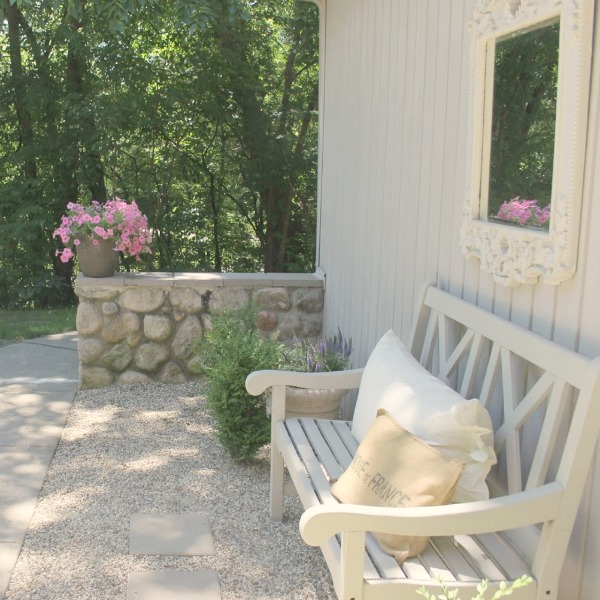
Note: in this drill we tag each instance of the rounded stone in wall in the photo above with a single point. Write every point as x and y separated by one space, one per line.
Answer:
149 356
133 378
274 299
266 320
118 358
110 309
228 299
157 328
312 327
142 299
89 319
94 377
189 334
89 349
289 326
186 300
309 300
120 327
194 365
172 373
134 339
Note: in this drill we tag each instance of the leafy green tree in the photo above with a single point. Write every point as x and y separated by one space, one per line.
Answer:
203 111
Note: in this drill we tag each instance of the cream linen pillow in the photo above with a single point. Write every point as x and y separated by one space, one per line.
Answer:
393 468
393 379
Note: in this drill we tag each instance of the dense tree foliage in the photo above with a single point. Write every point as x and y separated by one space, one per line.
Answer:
203 111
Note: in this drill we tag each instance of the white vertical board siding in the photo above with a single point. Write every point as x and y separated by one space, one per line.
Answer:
393 159
394 118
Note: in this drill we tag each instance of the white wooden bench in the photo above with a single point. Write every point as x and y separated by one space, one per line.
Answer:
528 384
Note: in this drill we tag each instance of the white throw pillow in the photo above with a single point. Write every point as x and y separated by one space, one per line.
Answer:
394 380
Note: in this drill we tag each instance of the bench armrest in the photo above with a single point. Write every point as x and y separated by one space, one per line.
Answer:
258 381
319 523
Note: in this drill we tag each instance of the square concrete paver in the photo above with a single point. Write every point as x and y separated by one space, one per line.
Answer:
173 535
173 585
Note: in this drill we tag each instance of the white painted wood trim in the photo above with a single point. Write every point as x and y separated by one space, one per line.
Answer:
516 255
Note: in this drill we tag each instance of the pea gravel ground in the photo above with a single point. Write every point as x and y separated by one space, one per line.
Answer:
151 449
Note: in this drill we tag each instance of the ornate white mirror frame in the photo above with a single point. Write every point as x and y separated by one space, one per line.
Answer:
514 254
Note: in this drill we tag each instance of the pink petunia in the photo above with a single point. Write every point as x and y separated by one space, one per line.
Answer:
67 254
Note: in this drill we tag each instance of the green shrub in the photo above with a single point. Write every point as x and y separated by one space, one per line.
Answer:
228 354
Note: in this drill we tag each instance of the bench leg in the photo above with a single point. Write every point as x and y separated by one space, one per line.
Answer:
277 414
352 565
276 485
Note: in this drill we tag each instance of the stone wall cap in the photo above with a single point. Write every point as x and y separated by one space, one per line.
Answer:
116 280
246 279
167 279
149 278
198 279
295 280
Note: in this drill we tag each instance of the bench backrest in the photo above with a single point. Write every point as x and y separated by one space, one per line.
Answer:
543 398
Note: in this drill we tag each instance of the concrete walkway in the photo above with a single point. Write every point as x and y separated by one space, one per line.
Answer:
38 381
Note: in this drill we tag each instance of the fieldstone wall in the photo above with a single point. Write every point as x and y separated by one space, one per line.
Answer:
143 327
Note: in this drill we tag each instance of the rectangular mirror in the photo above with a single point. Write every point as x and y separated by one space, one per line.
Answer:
530 65
523 123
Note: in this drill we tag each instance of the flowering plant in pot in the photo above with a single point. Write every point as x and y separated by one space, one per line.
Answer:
115 225
327 354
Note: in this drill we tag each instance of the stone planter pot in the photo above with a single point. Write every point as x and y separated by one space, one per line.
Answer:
99 260
319 404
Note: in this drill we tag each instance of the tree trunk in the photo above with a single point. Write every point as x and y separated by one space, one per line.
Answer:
218 263
20 90
91 161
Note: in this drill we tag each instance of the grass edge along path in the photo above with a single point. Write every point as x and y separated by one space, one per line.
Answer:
26 324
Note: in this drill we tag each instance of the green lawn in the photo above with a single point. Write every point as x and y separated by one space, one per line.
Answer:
19 325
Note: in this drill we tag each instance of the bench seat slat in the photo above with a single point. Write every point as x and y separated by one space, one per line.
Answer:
435 565
479 559
336 442
320 444
414 569
505 554
344 431
300 477
460 568
386 565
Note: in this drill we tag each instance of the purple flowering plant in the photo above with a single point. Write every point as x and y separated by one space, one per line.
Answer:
524 212
115 220
327 354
